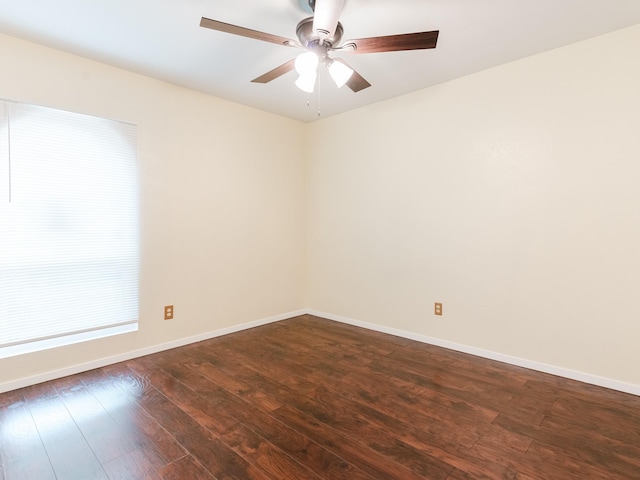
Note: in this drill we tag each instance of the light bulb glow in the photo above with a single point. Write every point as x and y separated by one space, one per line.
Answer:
306 63
340 73
306 82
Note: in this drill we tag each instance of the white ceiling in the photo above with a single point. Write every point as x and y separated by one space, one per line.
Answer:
163 39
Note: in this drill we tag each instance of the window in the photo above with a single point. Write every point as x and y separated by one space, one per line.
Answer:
69 227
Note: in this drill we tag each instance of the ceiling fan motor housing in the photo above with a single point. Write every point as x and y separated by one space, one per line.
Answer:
310 40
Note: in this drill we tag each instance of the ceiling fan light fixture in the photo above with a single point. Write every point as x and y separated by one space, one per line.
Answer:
306 82
321 34
339 72
307 64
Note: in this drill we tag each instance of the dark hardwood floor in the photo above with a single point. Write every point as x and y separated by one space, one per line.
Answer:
308 398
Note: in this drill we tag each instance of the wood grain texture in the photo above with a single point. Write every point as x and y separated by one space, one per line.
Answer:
356 82
395 43
245 32
312 399
276 72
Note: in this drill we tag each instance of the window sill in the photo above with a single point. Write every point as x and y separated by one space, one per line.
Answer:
39 345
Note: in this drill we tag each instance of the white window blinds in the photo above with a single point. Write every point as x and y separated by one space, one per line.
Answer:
68 224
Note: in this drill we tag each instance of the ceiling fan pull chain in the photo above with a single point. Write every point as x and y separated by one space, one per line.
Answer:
318 93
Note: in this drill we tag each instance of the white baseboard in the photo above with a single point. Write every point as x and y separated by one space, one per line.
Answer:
102 362
520 362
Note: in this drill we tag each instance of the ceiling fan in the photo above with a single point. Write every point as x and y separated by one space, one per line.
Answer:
321 34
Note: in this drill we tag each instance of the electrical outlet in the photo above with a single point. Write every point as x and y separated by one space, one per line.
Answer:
168 312
438 309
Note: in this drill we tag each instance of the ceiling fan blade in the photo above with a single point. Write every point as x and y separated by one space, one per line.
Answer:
325 17
246 32
276 72
393 43
356 81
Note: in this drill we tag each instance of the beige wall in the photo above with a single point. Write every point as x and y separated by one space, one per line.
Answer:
221 201
512 196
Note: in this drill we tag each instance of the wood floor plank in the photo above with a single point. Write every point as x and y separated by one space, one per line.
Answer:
381 433
220 355
265 455
244 441
309 454
407 398
12 398
197 407
215 455
278 363
71 456
458 430
105 437
587 446
209 371
22 453
607 421
370 461
451 383
185 468
159 446
547 460
312 399
133 465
